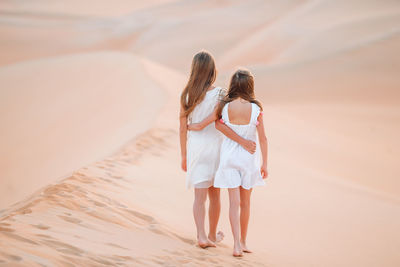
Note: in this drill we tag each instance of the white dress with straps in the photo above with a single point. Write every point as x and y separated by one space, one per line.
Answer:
203 146
237 166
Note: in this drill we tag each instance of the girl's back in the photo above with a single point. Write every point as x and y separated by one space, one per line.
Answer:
239 112
202 110
203 146
239 170
237 166
241 116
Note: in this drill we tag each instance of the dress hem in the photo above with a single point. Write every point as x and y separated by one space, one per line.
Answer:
240 185
190 185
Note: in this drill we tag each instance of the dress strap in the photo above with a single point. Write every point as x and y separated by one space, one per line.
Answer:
255 112
225 115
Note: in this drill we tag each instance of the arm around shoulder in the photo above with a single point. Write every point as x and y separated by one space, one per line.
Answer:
204 123
248 145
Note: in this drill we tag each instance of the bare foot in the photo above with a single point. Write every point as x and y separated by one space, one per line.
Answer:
206 243
218 237
237 251
244 248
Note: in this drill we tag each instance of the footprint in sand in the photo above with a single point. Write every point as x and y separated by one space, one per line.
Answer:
63 247
184 239
98 204
10 257
101 261
155 229
5 229
23 211
19 238
116 246
41 226
142 216
119 177
70 219
44 236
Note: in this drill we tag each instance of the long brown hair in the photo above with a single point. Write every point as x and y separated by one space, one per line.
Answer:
241 85
202 75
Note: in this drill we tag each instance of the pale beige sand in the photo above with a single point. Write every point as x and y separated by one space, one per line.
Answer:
326 71
92 8
62 113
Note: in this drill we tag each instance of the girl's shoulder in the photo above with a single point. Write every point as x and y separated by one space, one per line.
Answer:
214 91
256 106
257 110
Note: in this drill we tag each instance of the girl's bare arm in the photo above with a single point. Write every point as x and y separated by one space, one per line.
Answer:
249 145
201 125
263 145
183 138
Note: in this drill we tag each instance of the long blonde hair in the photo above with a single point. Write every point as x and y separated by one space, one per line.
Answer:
202 75
241 85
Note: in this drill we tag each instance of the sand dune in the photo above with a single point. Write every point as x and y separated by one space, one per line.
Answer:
61 116
93 221
296 37
77 8
92 95
343 106
102 213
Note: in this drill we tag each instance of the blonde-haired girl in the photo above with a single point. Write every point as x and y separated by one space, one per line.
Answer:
200 149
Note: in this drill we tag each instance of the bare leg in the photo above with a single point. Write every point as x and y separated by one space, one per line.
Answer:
213 214
244 216
199 213
234 203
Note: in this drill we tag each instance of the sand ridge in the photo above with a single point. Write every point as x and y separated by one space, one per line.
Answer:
48 120
71 222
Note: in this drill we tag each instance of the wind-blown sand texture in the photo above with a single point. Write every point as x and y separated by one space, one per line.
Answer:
89 158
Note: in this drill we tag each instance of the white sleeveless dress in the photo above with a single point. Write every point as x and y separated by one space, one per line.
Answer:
203 147
237 166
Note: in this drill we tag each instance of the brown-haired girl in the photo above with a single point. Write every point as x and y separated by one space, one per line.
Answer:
238 170
200 149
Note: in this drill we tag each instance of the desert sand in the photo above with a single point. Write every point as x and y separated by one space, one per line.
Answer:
89 160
